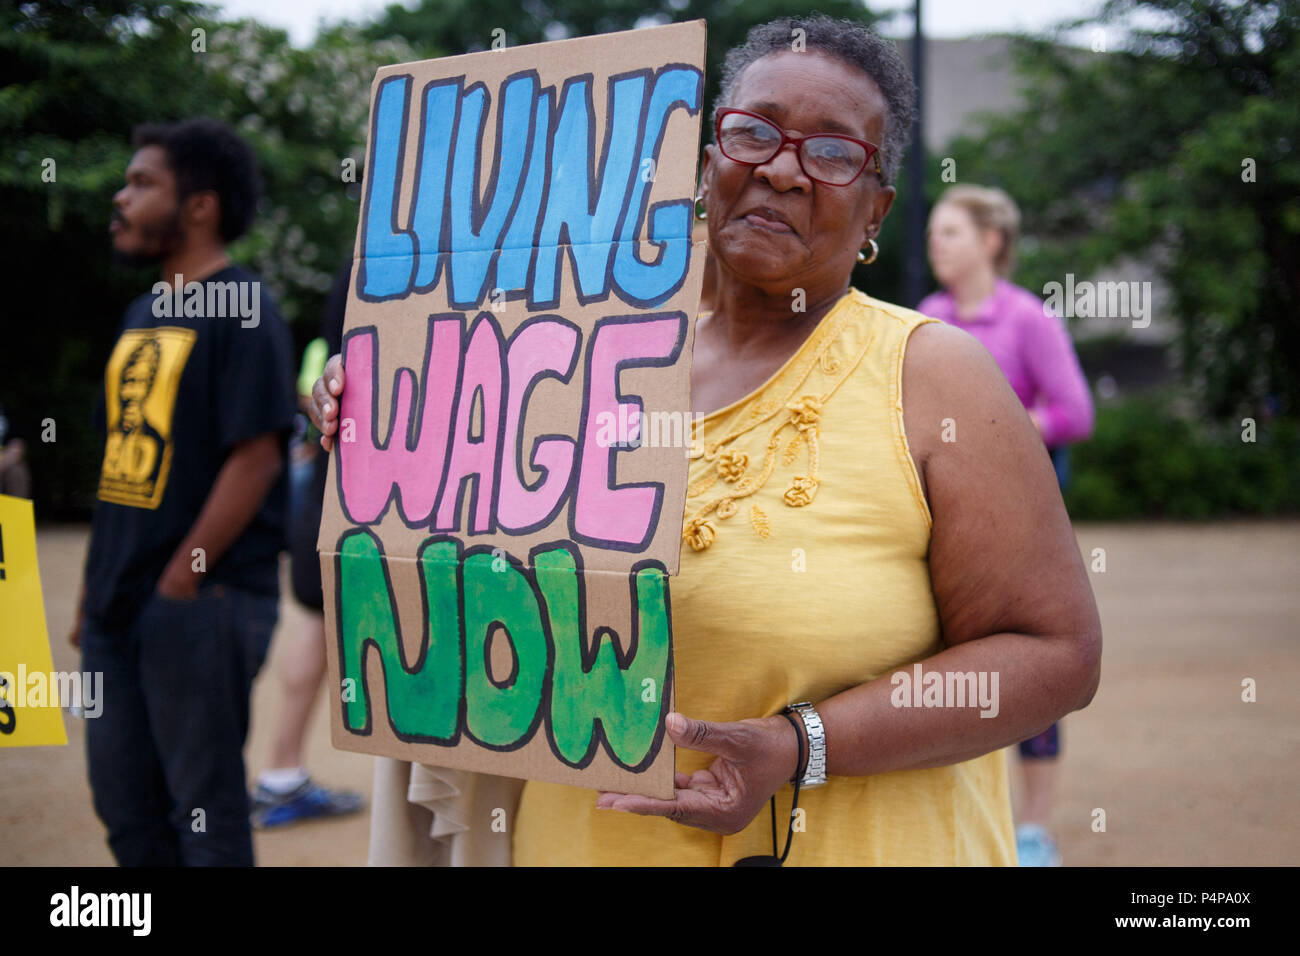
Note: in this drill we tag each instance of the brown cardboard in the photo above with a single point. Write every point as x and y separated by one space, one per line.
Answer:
533 322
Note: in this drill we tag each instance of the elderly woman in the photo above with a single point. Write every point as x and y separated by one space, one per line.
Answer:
872 529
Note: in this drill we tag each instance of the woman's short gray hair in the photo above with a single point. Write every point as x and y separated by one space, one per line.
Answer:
851 42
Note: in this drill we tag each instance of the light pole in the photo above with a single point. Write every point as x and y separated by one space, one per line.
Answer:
914 256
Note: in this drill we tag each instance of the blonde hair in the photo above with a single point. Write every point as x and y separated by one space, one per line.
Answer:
990 208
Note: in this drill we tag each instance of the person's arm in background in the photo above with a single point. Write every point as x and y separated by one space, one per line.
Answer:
241 486
254 389
313 366
331 333
98 419
1062 407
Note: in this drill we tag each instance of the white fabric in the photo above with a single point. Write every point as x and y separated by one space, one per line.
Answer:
432 816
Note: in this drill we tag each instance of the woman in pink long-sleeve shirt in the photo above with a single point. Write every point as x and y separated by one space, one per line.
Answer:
972 239
972 247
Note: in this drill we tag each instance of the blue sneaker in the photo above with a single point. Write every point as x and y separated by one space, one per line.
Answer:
308 801
1034 847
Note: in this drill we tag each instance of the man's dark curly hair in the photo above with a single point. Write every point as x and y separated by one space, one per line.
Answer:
850 42
207 154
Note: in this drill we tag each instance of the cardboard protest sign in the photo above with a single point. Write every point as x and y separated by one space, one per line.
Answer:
505 498
29 691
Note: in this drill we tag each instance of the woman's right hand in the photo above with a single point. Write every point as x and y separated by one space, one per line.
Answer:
325 393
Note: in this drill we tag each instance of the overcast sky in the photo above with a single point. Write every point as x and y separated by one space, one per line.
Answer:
943 18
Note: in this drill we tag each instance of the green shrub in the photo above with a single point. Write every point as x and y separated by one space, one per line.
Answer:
1144 461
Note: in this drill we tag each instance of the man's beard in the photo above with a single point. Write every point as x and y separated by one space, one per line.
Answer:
159 240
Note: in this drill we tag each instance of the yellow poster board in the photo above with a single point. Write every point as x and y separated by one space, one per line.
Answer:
24 641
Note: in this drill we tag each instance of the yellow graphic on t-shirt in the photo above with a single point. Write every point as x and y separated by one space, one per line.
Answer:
140 386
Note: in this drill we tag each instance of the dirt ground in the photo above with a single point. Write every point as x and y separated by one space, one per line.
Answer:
1186 772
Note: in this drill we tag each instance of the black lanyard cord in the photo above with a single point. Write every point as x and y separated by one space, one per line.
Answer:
775 860
798 777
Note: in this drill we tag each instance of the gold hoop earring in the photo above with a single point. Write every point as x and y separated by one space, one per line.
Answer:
700 212
875 251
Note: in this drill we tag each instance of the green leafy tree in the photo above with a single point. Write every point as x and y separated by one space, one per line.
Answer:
305 112
74 80
446 27
1180 149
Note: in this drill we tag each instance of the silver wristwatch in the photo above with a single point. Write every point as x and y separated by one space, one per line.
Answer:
815 773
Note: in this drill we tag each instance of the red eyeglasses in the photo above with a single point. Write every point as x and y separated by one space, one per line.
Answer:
828 158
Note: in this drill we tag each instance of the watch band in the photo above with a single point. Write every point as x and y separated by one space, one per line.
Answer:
815 773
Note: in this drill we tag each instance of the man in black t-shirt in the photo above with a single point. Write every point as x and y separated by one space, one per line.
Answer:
181 587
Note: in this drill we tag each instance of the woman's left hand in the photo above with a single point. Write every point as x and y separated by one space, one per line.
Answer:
755 759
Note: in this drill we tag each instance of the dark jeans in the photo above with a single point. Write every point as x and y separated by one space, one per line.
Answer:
1045 745
166 754
1061 464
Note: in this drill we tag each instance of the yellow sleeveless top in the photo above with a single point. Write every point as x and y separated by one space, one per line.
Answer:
803 573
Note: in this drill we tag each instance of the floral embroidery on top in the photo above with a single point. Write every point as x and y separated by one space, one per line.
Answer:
802 411
800 492
699 534
806 412
732 464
